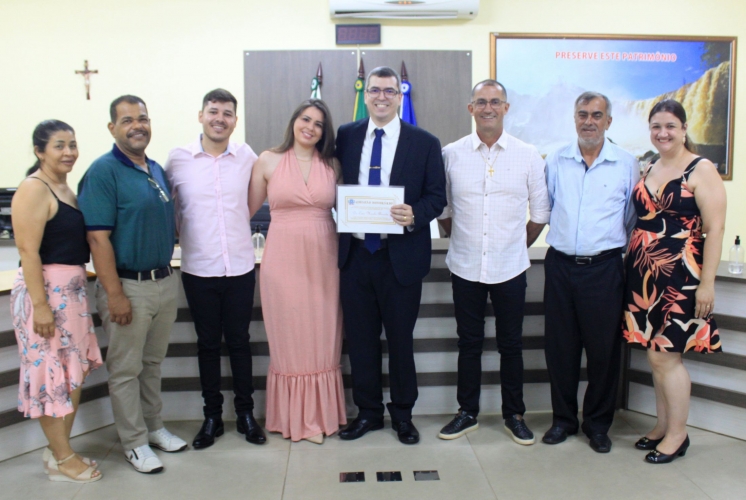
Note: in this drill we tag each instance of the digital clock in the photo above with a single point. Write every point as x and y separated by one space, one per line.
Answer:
358 34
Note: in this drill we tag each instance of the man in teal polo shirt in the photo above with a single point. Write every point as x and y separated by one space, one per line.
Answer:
130 221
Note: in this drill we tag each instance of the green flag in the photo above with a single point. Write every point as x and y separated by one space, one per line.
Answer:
360 111
315 88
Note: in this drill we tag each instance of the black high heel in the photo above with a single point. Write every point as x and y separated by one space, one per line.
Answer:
645 443
656 457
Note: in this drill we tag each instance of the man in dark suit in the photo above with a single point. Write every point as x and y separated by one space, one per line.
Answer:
381 275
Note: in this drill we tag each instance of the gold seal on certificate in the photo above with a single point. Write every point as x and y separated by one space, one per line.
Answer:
367 209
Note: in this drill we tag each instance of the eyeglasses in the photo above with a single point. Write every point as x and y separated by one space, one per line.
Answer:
161 193
482 103
388 93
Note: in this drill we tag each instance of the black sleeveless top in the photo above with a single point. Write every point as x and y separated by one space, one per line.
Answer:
64 240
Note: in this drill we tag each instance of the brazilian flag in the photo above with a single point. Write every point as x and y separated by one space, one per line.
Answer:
360 110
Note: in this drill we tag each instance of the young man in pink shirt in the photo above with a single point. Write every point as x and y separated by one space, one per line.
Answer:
210 183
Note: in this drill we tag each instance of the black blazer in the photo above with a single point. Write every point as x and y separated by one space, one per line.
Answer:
418 166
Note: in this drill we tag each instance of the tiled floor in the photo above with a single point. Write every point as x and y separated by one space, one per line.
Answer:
484 465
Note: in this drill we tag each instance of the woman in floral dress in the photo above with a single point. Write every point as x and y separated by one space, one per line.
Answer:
53 327
671 267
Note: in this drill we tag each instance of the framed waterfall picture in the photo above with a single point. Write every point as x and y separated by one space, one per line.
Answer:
544 74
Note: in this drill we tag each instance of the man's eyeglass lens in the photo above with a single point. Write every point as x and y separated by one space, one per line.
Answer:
390 93
481 103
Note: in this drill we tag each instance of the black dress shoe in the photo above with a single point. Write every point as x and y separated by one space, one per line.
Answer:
648 444
359 427
556 435
407 432
656 457
211 428
246 424
600 443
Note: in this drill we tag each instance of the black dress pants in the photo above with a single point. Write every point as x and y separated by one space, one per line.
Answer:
222 306
372 298
583 309
470 301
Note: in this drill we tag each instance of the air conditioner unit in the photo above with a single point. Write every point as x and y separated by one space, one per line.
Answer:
404 9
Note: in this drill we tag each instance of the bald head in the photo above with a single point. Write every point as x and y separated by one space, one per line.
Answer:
490 83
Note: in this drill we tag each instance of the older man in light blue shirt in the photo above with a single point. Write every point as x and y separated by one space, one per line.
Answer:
590 186
592 209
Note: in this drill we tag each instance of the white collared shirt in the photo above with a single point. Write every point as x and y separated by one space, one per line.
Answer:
389 141
488 212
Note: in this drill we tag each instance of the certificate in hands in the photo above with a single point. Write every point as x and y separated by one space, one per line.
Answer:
367 209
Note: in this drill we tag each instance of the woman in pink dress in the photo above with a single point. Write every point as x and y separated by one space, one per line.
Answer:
299 279
56 341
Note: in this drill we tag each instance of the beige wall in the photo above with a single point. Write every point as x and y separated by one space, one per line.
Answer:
170 52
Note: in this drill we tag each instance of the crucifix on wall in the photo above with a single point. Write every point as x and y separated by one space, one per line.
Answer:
87 78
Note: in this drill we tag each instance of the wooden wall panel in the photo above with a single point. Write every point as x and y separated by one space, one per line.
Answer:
276 81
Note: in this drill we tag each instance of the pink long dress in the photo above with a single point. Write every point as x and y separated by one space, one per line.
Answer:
299 284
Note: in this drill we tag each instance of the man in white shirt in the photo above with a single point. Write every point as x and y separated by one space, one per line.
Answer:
492 178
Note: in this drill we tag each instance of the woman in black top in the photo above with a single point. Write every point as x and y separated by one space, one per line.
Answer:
53 327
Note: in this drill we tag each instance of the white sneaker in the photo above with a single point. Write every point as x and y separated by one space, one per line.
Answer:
144 460
164 440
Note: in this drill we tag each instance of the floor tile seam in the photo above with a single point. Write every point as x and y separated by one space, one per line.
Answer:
330 449
481 467
190 451
80 489
689 425
629 425
393 447
109 452
111 449
285 478
735 438
30 452
704 433
632 425
681 470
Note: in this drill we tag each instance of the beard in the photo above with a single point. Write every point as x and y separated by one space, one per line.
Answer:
590 143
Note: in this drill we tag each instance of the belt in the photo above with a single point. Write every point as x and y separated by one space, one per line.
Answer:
589 259
361 243
153 274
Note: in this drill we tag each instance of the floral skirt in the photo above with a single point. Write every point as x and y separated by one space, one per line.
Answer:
53 368
662 280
